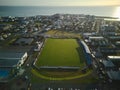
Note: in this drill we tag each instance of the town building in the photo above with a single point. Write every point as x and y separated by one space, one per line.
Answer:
114 75
24 41
10 63
108 30
87 53
107 65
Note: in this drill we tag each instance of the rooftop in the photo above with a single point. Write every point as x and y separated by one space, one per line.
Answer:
24 41
86 47
114 75
96 37
8 62
11 55
113 57
108 63
10 59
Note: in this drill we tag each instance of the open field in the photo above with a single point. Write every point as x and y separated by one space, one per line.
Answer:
61 52
62 76
59 33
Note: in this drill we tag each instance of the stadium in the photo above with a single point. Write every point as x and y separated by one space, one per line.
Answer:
60 53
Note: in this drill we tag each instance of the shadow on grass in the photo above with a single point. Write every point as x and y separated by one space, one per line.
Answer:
81 54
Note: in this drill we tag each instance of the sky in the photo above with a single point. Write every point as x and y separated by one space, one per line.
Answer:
59 2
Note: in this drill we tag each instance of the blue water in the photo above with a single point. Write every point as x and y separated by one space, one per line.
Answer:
42 10
4 73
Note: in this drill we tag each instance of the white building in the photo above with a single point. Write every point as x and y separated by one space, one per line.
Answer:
38 46
96 38
115 58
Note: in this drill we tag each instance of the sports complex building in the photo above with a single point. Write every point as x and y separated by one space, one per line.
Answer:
87 53
10 62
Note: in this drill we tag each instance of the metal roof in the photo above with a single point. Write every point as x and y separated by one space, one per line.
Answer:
25 40
10 55
85 47
113 57
8 62
96 37
108 63
114 75
10 59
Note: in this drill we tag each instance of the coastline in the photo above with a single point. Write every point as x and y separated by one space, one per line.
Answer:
25 11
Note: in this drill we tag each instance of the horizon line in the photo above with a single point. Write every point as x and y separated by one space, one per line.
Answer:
61 5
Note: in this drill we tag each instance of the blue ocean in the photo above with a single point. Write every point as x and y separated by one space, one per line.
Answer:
50 10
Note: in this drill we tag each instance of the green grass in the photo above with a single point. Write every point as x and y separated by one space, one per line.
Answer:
62 33
61 52
9 40
37 74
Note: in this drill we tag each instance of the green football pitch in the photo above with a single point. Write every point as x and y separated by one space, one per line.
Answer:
61 52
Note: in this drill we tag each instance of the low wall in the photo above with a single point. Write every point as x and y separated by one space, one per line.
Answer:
58 68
